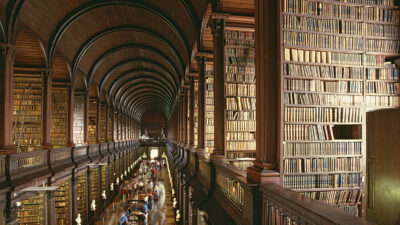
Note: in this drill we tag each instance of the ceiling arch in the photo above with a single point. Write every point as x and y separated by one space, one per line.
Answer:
81 10
140 71
88 43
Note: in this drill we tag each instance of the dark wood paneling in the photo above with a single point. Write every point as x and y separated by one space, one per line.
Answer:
29 50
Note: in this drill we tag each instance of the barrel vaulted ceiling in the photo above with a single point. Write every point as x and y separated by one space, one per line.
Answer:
134 54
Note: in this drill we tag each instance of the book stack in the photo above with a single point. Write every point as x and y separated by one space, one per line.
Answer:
337 61
240 93
79 115
59 117
209 108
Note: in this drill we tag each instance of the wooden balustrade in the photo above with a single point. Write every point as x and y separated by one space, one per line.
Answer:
94 152
282 206
28 164
270 203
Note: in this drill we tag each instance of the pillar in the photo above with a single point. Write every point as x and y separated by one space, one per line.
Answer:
70 130
6 98
267 83
217 26
201 103
191 111
46 110
98 107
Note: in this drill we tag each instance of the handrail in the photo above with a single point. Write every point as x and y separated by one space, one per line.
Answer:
283 206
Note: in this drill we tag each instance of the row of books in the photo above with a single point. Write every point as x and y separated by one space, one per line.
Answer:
239 34
382 14
382 101
382 88
379 2
240 89
59 117
240 115
240 77
390 73
321 149
332 26
240 69
350 209
32 106
240 103
246 125
241 61
242 145
28 118
382 30
384 46
333 41
308 132
318 165
241 155
327 9
323 115
20 90
336 197
240 42
339 86
240 52
240 136
322 181
323 99
311 56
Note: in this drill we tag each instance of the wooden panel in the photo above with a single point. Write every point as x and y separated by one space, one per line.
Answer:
60 69
29 51
207 38
80 83
237 6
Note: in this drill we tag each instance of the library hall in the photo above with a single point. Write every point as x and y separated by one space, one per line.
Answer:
200 112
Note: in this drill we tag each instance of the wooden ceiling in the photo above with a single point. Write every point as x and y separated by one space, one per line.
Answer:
134 52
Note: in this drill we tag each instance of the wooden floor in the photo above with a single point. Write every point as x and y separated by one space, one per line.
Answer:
162 213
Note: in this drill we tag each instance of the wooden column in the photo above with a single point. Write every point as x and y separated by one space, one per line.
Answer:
191 108
185 122
70 129
107 119
6 98
267 92
217 25
86 118
113 127
98 107
201 103
180 121
46 110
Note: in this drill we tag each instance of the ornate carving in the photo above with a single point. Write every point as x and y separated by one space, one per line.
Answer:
217 26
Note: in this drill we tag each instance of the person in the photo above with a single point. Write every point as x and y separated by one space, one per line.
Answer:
151 202
123 219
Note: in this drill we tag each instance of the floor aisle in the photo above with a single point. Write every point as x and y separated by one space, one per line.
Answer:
162 213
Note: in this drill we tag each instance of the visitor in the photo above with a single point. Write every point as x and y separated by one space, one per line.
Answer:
123 219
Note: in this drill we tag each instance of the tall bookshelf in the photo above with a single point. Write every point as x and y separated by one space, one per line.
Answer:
63 203
196 113
92 121
240 93
209 108
188 127
32 211
337 62
115 128
110 124
103 123
27 111
104 179
79 121
94 188
59 116
81 199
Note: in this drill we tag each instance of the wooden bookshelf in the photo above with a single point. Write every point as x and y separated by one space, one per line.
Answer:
240 93
92 129
79 121
27 111
110 125
104 179
116 125
63 203
188 119
196 113
59 116
32 211
103 122
94 188
337 62
209 108
81 199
